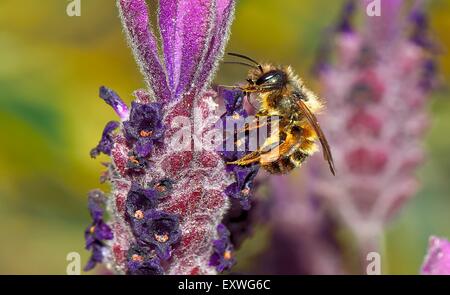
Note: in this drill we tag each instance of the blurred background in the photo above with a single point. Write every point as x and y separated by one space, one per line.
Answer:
51 66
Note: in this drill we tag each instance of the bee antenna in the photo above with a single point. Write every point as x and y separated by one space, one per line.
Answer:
228 86
247 58
240 63
243 56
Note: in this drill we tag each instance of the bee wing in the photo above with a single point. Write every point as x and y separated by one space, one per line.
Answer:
312 120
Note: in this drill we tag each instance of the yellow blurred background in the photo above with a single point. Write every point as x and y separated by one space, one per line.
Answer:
51 66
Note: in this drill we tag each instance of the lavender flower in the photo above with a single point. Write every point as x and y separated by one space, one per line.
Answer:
143 262
144 127
144 267
98 231
168 186
242 188
344 25
243 176
437 261
158 229
302 229
223 256
376 120
140 200
106 142
241 222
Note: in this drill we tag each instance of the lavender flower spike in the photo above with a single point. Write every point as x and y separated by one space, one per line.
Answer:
167 199
437 261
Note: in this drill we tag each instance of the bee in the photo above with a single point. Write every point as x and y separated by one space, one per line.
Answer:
283 95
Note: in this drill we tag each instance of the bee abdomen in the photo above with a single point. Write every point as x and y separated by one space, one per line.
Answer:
286 164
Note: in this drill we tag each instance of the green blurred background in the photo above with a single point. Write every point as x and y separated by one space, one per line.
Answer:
51 66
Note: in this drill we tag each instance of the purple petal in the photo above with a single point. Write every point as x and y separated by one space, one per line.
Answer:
233 99
148 118
344 25
223 231
194 34
170 28
135 20
420 31
144 147
222 257
139 198
103 232
221 32
96 257
158 223
96 201
147 267
89 238
141 261
113 99
106 142
185 28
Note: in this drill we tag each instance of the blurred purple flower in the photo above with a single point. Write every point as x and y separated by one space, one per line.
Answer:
437 261
166 198
375 121
344 25
302 239
98 231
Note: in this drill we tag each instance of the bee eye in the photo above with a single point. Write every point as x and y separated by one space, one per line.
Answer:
273 78
266 78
